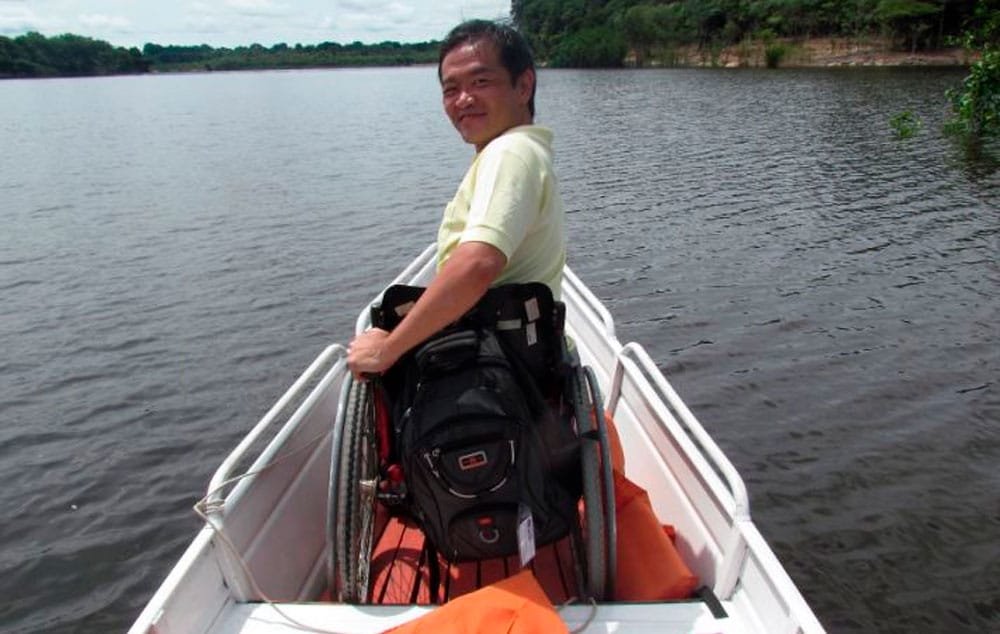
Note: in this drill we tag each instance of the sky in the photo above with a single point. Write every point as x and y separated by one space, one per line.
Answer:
233 23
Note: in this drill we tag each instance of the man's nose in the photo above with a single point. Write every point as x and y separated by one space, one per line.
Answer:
464 99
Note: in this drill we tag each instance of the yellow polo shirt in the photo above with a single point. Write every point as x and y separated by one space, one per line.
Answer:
509 199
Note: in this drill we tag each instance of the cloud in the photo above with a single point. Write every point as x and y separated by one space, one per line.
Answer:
17 20
362 6
101 22
264 8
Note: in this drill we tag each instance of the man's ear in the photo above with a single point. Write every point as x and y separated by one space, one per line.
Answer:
525 86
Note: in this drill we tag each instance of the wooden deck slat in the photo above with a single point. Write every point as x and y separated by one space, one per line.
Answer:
491 571
383 556
400 574
545 565
462 578
567 567
395 562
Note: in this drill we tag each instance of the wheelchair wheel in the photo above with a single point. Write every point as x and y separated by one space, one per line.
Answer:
598 505
353 495
608 480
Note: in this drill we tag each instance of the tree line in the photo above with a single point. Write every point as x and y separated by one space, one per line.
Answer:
204 57
591 33
35 55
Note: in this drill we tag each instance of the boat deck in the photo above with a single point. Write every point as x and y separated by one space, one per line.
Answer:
400 575
400 592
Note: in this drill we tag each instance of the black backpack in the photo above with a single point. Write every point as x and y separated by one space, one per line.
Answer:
482 445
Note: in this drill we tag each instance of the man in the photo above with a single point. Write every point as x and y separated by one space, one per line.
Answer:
505 223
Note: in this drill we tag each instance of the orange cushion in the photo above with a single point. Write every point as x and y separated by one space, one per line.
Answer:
516 605
649 567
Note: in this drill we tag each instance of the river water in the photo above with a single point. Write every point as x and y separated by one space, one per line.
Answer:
175 249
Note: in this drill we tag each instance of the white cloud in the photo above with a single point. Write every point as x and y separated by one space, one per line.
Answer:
17 20
100 22
257 7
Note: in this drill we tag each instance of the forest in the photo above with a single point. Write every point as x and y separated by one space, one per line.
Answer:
603 33
172 58
34 55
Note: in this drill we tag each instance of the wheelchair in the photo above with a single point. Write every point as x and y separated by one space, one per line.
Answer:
365 483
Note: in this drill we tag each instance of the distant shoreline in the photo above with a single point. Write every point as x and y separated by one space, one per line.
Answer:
827 52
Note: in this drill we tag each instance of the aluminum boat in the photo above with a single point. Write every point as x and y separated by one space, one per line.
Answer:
259 564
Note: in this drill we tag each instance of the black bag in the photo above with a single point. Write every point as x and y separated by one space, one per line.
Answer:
475 439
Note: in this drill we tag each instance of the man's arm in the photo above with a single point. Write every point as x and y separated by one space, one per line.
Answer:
461 282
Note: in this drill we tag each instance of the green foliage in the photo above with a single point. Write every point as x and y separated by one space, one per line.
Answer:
256 56
655 29
594 47
904 124
976 104
774 54
658 29
909 19
34 55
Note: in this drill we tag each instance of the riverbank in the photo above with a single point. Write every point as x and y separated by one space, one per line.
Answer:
808 53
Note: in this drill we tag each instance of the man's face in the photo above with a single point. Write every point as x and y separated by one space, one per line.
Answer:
479 97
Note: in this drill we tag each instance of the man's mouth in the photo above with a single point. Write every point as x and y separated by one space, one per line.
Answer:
469 115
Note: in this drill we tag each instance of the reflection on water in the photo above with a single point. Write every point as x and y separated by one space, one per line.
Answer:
177 248
979 159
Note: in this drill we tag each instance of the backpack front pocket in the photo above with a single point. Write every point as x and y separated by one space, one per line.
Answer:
472 458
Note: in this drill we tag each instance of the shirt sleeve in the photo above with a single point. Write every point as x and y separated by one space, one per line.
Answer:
507 199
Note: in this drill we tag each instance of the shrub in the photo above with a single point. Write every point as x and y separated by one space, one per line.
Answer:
774 54
976 104
904 124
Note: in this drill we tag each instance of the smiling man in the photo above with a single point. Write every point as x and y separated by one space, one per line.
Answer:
505 223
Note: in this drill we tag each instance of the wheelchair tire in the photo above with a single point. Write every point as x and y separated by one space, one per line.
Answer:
594 528
608 481
355 496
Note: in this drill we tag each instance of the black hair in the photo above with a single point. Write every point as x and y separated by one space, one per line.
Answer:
515 54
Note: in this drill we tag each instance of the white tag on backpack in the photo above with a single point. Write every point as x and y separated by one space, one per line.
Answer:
525 534
531 309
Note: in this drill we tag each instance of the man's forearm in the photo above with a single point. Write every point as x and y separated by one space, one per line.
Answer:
462 281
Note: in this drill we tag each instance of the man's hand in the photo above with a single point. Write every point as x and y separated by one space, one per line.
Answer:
370 353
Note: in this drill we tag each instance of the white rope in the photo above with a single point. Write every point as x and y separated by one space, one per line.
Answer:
204 508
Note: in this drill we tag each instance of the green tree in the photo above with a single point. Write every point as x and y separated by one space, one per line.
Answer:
976 104
640 31
594 47
908 18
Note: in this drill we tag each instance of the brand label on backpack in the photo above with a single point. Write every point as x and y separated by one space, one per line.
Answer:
472 461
